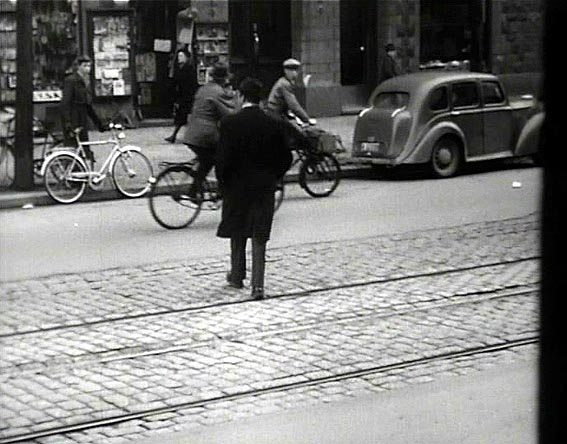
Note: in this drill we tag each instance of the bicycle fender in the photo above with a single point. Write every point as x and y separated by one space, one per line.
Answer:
59 153
120 151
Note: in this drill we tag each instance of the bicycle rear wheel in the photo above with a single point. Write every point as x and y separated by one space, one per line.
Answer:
170 204
320 174
131 173
65 178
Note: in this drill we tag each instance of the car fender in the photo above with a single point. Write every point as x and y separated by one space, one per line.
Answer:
528 140
58 153
121 150
424 147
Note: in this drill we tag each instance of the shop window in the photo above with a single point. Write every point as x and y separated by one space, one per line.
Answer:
439 100
465 95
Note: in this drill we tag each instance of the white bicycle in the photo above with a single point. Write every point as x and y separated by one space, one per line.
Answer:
66 173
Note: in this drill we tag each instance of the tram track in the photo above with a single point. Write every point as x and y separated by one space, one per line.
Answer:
373 370
287 295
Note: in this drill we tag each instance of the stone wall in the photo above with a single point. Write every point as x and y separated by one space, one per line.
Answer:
517 34
316 42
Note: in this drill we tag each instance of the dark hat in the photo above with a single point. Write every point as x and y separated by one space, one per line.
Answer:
389 47
219 71
291 64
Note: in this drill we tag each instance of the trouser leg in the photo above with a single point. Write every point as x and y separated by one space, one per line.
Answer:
237 258
258 263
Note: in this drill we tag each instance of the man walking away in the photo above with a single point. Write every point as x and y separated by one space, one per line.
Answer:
252 157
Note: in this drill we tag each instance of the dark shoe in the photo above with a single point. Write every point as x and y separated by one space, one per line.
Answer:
170 139
233 284
258 293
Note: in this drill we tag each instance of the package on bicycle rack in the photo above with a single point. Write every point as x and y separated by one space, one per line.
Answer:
323 141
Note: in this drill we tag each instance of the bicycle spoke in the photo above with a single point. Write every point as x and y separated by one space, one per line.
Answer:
131 173
320 175
65 178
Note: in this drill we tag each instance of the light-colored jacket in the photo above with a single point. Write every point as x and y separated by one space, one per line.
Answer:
282 99
212 102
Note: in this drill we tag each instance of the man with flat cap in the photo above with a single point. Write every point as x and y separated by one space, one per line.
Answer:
282 96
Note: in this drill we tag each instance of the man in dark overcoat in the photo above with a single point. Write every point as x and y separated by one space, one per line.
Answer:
253 156
77 104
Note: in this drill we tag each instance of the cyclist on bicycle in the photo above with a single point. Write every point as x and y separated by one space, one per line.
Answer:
282 102
212 102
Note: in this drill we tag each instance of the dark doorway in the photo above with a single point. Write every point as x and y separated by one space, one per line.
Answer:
260 38
455 30
356 41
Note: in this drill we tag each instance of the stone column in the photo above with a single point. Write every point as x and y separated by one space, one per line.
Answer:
315 30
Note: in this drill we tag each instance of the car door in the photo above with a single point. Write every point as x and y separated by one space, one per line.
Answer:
497 118
465 113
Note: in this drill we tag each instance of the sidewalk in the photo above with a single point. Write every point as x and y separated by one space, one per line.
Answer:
151 140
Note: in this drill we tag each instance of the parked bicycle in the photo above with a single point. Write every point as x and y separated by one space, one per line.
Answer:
66 174
169 199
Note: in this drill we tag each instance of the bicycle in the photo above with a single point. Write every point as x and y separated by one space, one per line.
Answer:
170 202
66 173
319 171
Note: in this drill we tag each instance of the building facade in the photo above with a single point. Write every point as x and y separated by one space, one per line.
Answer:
340 42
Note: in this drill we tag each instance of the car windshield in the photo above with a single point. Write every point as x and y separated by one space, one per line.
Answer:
391 100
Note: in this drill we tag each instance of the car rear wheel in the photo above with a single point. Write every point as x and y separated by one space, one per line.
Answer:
446 157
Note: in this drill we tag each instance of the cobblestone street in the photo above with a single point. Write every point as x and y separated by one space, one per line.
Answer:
126 353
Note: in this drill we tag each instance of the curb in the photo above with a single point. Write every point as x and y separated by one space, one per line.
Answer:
39 198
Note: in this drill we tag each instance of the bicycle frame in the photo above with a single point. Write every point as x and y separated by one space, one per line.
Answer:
78 153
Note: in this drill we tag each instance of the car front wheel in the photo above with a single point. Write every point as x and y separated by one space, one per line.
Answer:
446 157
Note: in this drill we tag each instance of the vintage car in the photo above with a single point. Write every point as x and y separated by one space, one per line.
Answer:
444 119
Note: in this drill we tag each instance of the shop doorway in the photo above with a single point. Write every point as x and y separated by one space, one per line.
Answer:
260 38
358 50
456 30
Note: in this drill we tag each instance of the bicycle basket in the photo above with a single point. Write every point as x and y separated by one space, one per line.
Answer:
323 141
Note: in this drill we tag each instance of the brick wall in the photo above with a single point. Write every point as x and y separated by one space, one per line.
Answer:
517 33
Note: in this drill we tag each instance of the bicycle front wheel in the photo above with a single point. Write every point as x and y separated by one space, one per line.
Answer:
65 178
320 174
132 173
170 204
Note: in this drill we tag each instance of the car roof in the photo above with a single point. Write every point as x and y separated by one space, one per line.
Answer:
419 84
430 79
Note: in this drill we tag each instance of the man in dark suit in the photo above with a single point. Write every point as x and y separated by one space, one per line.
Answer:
76 104
253 155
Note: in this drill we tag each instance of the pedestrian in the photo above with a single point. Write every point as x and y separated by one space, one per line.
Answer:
253 156
212 102
389 67
76 105
185 84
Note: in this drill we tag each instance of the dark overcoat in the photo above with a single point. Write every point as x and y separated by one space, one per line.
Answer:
252 156
185 82
76 105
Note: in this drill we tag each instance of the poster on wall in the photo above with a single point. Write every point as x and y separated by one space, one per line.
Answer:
111 50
